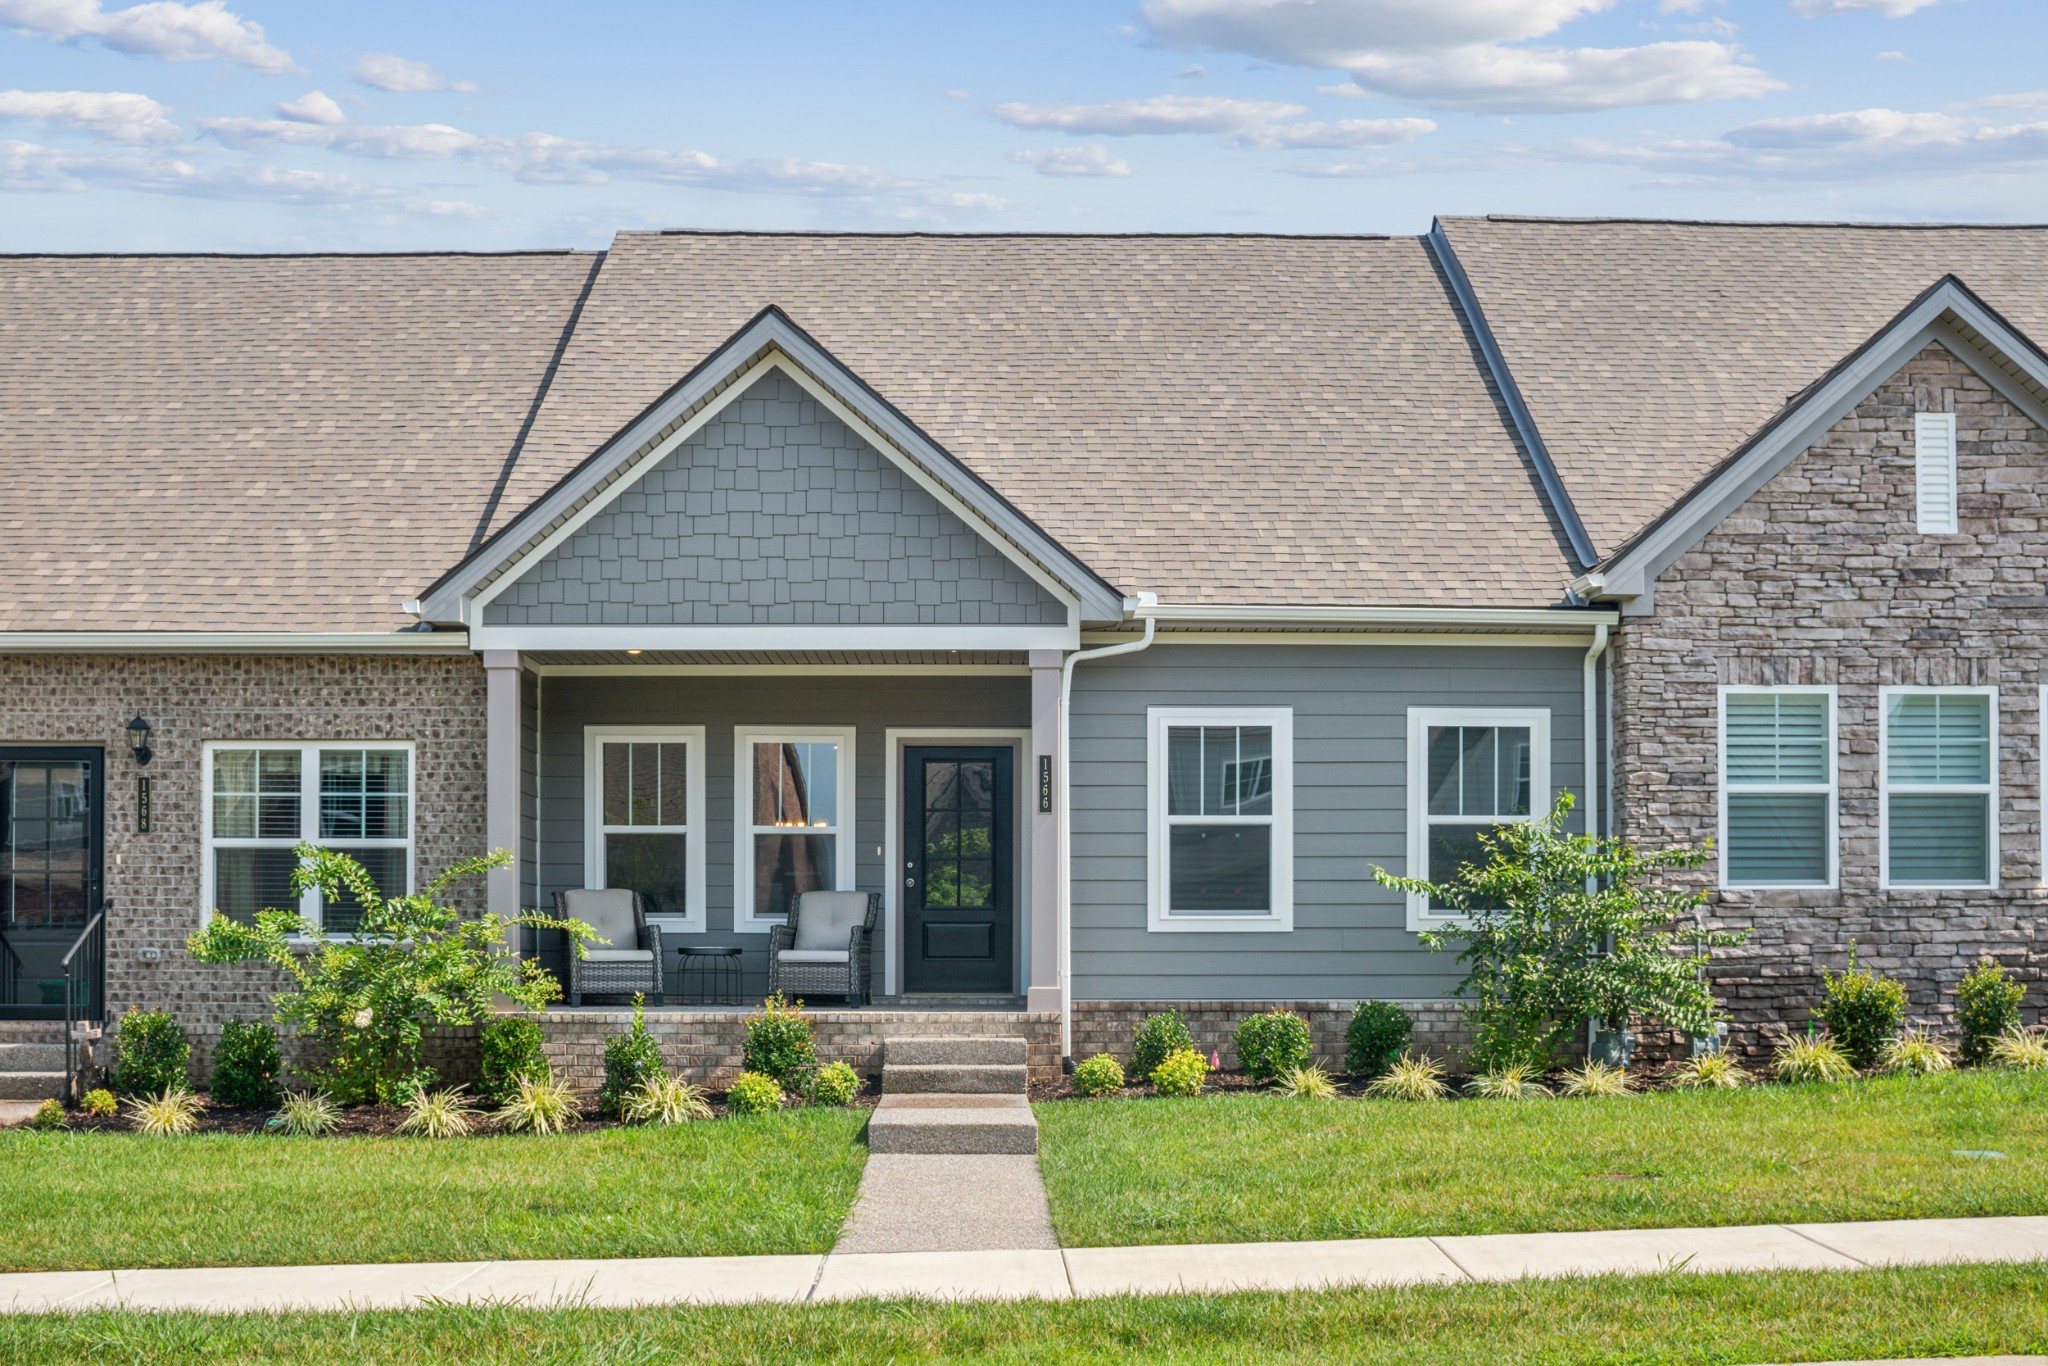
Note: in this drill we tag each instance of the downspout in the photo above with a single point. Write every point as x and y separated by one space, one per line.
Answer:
1064 836
1591 733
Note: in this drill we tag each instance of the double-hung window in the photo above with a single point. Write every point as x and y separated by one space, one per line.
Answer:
1939 754
263 799
645 816
1778 787
794 816
1469 770
1221 818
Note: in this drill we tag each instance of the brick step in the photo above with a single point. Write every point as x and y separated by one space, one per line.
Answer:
953 1125
970 1079
31 1057
31 1085
982 1052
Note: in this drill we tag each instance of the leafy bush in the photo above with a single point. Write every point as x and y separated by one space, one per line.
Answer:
1180 1073
1514 1081
1306 1083
1713 1072
1377 1034
150 1052
1987 1005
540 1105
666 1100
1410 1078
100 1103
631 1060
1812 1059
1914 1052
1863 1013
367 998
510 1048
246 1064
1272 1044
753 1093
1155 1037
2021 1050
438 1114
173 1111
1595 1079
307 1114
836 1083
1543 953
49 1115
1098 1076
779 1042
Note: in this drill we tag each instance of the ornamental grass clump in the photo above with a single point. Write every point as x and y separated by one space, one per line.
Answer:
1511 1081
1154 1038
1378 1034
508 1048
1815 1058
1914 1052
99 1103
1714 1072
836 1083
439 1114
753 1093
1411 1078
1987 1006
1595 1080
540 1105
1271 1045
779 1044
174 1111
1180 1073
665 1100
631 1060
307 1114
246 1065
1306 1083
1863 1012
1098 1076
150 1052
2021 1050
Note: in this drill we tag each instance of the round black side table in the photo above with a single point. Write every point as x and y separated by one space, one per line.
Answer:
716 968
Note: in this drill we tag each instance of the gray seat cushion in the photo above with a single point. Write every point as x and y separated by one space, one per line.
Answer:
608 912
814 956
618 955
827 920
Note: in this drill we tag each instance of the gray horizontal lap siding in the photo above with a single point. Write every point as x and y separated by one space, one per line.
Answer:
872 705
1350 710
775 513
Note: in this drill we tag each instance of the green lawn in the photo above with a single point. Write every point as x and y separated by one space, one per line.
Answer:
1256 1167
1789 1316
774 1183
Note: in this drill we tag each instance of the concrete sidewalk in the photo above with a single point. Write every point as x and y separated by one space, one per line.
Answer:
1040 1273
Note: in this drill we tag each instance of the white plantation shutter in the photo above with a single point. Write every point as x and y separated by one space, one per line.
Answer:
1934 449
1779 788
1940 787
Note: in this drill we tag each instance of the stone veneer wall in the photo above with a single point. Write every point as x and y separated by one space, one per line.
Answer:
1107 1026
154 879
1823 578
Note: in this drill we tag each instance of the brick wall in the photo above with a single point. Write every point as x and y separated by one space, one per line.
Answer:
154 879
1822 578
1107 1026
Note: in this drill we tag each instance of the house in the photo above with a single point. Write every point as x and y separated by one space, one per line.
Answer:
1113 605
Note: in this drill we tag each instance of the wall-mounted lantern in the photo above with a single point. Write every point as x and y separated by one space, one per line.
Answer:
138 739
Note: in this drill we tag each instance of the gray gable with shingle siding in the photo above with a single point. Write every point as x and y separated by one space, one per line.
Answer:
775 513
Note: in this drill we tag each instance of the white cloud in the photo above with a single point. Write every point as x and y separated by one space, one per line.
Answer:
207 31
115 115
1890 9
31 166
1160 114
1335 33
1192 73
1512 80
312 107
389 72
1893 55
1341 133
1089 159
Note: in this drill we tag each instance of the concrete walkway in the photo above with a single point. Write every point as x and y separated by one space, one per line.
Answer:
1042 1273
949 1203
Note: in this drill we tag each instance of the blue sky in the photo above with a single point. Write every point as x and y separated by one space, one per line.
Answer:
241 125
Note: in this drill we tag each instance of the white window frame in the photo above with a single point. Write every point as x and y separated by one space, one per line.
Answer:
744 738
1886 788
309 814
1535 719
595 738
1832 788
1934 452
1159 916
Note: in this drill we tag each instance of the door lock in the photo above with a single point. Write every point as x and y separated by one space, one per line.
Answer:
910 882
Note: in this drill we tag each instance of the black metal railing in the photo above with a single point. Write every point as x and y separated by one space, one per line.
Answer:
11 970
85 965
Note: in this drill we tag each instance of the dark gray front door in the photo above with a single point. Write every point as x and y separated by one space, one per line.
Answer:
959 910
50 806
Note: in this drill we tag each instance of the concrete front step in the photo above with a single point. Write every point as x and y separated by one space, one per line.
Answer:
980 1052
31 1085
953 1125
968 1079
31 1057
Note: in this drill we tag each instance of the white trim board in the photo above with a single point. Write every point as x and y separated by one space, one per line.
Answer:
1017 638
781 670
236 642
697 833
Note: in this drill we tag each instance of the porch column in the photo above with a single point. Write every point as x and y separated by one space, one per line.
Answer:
501 781
1042 985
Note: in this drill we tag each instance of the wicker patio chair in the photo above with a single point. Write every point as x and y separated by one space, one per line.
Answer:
823 950
631 962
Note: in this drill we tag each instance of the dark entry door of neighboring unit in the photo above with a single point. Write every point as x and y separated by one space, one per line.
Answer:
50 809
959 909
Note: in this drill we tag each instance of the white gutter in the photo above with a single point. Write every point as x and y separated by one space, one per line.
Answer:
1591 733
1421 617
1063 892
216 642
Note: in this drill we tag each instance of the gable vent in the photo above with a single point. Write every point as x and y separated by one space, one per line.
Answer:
1934 459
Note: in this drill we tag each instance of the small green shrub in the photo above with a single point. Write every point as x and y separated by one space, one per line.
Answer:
2021 1050
1306 1083
1272 1045
510 1048
1713 1072
631 1060
1098 1076
246 1064
1378 1034
1812 1060
1155 1037
438 1114
1410 1078
99 1103
150 1052
836 1083
779 1042
666 1100
48 1115
1863 1013
1509 1081
307 1114
540 1105
753 1093
1180 1073
1595 1079
1915 1052
173 1111
1987 1005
